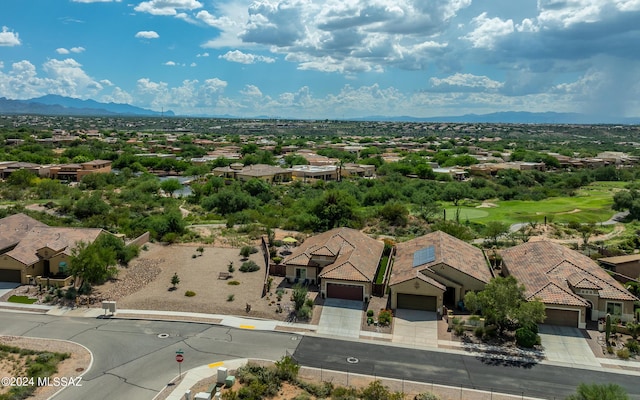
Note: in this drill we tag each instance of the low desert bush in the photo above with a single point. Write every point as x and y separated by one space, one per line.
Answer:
189 293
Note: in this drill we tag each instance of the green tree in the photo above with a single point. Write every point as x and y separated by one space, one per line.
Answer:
335 208
299 296
175 280
503 303
92 263
495 229
22 178
455 192
395 214
170 186
594 391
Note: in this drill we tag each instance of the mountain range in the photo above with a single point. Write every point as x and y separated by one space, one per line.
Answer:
67 106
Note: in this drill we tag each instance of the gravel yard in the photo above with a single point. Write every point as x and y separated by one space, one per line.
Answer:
146 283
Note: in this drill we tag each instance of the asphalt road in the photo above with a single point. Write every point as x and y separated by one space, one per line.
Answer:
535 380
132 362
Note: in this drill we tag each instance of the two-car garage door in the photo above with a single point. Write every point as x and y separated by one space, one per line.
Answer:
10 275
561 317
346 292
417 302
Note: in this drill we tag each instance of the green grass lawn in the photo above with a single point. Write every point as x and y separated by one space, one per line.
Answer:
21 299
593 202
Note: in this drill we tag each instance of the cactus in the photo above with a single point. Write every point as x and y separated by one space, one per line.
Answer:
607 329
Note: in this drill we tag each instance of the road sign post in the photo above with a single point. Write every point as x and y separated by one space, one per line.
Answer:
179 359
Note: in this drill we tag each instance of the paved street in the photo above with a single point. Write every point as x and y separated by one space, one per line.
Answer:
133 362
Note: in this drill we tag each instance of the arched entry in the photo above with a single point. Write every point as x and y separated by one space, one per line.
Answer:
589 311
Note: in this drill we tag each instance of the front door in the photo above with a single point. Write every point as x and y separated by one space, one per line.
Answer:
47 268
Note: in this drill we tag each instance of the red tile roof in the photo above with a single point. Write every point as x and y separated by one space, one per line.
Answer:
538 264
449 250
356 254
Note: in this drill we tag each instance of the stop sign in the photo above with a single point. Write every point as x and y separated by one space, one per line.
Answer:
179 358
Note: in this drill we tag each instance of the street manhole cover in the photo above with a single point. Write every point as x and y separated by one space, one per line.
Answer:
352 360
163 335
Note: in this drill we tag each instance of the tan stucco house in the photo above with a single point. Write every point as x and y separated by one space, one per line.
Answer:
29 248
434 270
343 261
573 287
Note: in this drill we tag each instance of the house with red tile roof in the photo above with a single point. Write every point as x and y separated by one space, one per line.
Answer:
29 248
434 270
573 287
343 261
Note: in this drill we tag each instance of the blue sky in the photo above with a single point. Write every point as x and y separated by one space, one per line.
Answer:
328 58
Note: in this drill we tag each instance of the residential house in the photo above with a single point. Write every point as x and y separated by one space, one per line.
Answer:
75 172
573 287
29 248
625 268
315 173
268 173
343 261
434 270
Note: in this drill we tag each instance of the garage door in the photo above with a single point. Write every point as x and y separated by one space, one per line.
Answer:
10 275
417 302
346 292
561 317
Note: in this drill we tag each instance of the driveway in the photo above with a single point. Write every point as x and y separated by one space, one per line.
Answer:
340 318
6 287
564 344
415 328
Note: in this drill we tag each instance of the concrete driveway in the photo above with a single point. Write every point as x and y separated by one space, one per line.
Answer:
415 328
6 287
340 318
564 344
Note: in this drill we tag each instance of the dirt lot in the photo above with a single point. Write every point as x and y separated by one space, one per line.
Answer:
146 283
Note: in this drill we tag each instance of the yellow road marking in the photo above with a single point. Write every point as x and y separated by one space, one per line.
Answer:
247 327
216 364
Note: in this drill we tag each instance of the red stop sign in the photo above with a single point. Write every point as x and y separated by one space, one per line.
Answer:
179 358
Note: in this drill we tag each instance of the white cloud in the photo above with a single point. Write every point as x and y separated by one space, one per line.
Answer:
339 36
252 91
9 38
147 35
554 13
118 96
488 30
96 1
205 54
245 58
193 64
167 7
69 79
170 63
466 83
76 50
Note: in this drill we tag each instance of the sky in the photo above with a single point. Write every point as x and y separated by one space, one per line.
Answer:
327 59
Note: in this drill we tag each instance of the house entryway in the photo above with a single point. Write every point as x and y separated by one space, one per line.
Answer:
340 318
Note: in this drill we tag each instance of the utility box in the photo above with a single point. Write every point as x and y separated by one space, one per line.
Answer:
109 306
222 375
230 381
202 396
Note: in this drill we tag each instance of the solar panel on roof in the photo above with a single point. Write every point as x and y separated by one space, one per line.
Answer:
424 256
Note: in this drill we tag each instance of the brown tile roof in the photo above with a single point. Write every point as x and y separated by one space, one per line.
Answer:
57 239
356 254
620 259
537 264
15 227
449 250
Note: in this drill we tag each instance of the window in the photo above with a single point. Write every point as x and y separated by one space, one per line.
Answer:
301 273
614 308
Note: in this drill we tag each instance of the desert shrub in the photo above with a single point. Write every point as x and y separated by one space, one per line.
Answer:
47 298
458 329
308 302
385 317
623 353
287 369
233 283
189 293
305 312
369 313
246 251
320 390
525 337
231 297
249 266
479 332
344 393
633 346
427 396
85 288
71 294
302 396
377 391
276 259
